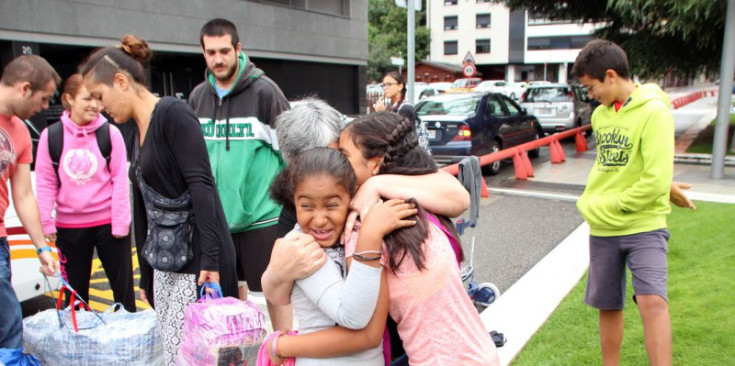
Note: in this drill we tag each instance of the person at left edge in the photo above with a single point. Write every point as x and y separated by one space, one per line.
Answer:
26 85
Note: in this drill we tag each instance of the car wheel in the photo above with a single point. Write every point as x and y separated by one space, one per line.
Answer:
493 168
513 96
535 152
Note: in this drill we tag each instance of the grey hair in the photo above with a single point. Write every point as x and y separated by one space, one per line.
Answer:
310 123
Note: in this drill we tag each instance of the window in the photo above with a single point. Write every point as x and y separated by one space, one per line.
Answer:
482 46
450 23
450 2
333 7
558 43
512 106
483 21
450 47
495 107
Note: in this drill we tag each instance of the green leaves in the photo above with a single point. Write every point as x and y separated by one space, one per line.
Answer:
387 34
660 36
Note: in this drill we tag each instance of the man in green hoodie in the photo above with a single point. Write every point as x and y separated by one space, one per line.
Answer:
237 106
626 200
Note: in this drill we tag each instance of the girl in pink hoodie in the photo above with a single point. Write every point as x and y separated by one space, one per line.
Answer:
90 195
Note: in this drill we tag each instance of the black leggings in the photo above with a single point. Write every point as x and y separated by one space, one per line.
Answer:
76 247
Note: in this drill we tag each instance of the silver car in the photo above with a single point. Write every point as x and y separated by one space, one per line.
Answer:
558 107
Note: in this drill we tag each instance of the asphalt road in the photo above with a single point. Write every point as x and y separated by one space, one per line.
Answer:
513 232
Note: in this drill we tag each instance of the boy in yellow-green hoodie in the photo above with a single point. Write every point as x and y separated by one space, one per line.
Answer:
626 200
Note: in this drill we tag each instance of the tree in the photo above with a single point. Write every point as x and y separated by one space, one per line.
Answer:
387 36
659 36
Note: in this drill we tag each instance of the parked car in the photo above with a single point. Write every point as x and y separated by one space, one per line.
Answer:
511 90
463 124
424 92
559 107
441 86
463 85
374 88
515 90
493 86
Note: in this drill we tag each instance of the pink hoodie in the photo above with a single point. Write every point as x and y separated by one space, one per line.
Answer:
90 194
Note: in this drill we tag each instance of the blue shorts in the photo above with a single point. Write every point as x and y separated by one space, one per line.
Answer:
644 253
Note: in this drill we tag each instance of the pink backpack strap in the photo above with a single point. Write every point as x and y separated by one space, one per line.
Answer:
452 240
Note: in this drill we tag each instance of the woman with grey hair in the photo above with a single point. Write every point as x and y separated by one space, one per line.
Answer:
310 123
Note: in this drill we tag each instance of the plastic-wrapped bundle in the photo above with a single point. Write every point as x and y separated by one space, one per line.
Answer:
123 339
221 331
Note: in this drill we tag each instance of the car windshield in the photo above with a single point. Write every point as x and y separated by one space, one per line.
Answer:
548 94
459 83
457 106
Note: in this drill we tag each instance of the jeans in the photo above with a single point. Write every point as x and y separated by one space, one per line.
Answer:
11 318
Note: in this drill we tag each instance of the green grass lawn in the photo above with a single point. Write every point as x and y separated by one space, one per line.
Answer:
701 284
703 143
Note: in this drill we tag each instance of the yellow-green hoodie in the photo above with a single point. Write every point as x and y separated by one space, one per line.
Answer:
627 190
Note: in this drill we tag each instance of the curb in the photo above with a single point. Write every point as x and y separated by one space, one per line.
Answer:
524 308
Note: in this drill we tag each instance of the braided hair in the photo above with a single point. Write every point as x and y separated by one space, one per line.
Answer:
393 137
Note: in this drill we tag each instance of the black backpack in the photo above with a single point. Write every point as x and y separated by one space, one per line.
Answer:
56 144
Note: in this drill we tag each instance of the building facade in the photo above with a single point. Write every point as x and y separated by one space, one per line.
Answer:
309 48
511 45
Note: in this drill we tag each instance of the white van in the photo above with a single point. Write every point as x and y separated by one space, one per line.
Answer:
27 278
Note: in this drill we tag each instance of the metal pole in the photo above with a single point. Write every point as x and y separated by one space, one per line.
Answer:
727 68
410 68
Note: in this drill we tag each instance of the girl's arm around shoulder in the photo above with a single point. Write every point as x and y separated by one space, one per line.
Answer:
438 192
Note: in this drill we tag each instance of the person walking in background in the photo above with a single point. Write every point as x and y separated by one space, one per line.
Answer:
394 89
237 106
626 200
90 190
170 166
27 84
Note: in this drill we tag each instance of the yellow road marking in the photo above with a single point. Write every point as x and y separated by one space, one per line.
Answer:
106 295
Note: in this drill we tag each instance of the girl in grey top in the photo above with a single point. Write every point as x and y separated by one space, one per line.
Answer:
320 183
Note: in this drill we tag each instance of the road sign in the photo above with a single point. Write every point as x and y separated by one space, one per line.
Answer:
468 58
402 4
469 70
397 61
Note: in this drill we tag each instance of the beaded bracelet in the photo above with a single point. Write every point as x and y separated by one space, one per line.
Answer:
361 255
274 345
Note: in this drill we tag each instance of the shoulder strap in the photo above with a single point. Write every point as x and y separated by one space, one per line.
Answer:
56 145
103 142
452 240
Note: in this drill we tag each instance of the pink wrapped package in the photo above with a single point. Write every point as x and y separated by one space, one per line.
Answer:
221 331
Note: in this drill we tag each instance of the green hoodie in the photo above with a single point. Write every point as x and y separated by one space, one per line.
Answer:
239 131
627 190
